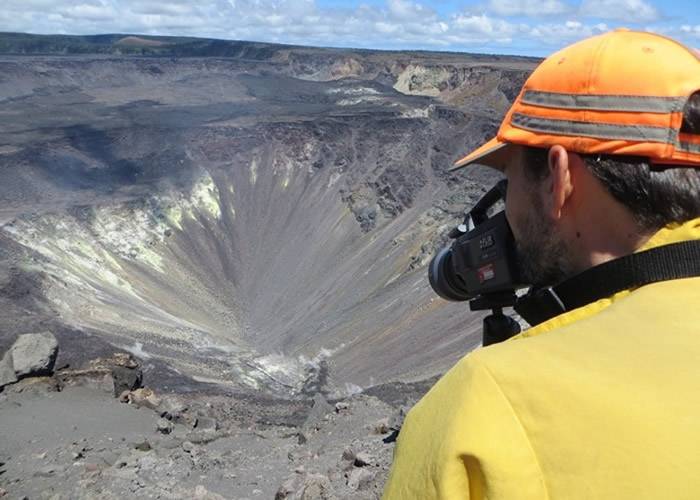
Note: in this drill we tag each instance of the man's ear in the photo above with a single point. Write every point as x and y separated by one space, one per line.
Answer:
559 186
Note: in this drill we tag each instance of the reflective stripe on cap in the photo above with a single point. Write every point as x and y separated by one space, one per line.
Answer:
596 130
688 147
625 103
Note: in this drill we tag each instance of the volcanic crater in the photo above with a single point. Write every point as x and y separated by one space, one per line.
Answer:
241 221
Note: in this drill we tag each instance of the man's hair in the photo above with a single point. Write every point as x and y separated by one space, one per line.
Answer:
657 195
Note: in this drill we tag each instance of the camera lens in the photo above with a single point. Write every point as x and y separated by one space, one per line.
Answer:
445 282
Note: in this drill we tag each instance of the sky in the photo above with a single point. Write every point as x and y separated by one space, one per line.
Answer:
534 27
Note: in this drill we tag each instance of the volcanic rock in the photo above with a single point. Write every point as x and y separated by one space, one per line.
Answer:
382 426
172 408
348 454
360 479
98 379
125 379
143 397
363 459
34 354
36 385
114 374
7 370
317 487
306 487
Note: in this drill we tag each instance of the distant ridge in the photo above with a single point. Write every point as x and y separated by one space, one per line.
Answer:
170 46
137 41
132 45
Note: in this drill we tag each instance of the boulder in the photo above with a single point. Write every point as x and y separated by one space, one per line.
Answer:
7 370
97 379
114 374
125 379
34 354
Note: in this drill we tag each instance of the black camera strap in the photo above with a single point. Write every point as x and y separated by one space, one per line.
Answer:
664 263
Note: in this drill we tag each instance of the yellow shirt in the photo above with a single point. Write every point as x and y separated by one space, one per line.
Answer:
602 402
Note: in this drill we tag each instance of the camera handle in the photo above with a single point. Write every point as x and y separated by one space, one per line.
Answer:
497 327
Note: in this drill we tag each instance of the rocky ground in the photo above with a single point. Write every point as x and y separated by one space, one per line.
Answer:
65 435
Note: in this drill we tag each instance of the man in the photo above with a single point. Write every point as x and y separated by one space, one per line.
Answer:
602 154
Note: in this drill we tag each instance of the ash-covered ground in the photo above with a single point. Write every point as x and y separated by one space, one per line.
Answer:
253 231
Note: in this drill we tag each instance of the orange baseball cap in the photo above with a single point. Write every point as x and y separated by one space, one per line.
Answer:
621 92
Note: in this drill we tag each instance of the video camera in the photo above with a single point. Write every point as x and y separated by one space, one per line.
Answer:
480 266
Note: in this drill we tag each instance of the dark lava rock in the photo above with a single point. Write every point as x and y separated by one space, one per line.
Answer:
126 379
115 374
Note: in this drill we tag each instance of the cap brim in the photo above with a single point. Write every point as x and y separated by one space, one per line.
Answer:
493 154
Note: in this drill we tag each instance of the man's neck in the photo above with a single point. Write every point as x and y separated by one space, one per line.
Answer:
608 232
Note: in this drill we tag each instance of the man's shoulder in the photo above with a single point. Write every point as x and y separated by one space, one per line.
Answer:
644 335
525 406
626 333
